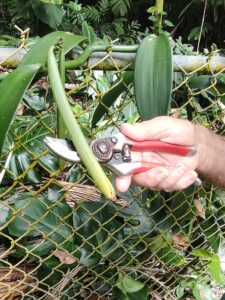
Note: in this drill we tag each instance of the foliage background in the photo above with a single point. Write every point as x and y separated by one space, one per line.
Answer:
95 249
123 19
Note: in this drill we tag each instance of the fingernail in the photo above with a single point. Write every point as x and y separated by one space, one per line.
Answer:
191 177
180 168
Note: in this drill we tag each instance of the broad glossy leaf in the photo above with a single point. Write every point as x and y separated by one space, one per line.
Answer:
140 295
214 268
21 163
40 248
214 86
203 254
182 207
201 82
35 99
12 89
137 216
88 31
92 224
128 285
203 292
49 276
111 96
48 13
169 256
39 52
212 232
35 216
32 142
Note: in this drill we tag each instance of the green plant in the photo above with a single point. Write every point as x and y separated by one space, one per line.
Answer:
154 55
157 244
37 11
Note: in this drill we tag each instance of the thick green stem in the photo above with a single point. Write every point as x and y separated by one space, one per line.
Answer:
73 64
159 7
75 131
61 129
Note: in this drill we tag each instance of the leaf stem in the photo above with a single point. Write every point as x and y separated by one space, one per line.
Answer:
159 13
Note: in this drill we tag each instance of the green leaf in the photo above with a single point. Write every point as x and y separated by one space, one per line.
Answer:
120 7
34 216
48 13
88 31
152 18
214 86
111 96
181 206
12 89
91 223
180 290
41 248
201 82
140 295
212 232
203 254
152 9
39 52
214 268
169 256
136 213
56 2
203 292
156 243
169 23
31 141
128 285
21 163
35 98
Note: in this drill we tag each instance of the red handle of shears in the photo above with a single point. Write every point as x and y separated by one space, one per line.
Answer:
159 146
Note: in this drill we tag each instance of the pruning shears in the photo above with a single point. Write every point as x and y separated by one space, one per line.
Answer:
115 152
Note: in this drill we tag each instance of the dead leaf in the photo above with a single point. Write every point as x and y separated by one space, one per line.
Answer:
20 109
200 209
65 257
180 242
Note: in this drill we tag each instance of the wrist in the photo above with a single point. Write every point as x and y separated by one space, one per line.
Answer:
203 139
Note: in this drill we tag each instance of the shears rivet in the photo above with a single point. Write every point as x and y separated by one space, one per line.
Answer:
117 156
102 147
114 140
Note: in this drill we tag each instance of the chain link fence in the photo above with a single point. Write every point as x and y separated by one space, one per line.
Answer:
59 237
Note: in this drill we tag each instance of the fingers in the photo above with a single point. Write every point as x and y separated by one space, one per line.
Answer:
167 129
123 183
184 182
179 178
160 178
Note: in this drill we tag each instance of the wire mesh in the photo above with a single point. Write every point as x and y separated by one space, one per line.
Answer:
59 237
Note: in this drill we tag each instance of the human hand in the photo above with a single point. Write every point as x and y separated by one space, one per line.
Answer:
179 171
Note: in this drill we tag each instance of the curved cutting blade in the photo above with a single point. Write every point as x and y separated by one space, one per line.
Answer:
62 148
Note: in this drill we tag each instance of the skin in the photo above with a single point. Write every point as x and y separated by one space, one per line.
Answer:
179 172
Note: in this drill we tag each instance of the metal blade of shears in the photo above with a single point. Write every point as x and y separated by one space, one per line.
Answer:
62 148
